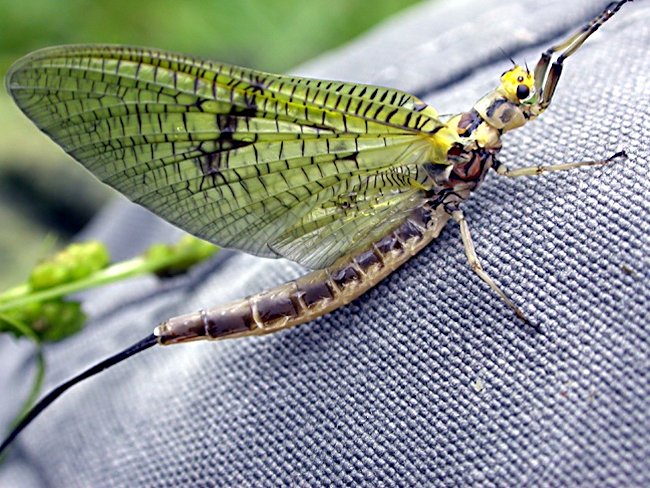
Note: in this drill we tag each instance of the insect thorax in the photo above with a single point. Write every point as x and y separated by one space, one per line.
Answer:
507 107
479 134
469 159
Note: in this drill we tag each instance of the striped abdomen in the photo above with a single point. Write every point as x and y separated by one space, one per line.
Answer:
312 295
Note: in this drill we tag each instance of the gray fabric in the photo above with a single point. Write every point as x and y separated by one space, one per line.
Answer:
428 379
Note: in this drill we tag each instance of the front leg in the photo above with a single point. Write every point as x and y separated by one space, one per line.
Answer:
503 170
546 78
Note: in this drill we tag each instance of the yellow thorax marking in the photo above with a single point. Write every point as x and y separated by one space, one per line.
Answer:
442 141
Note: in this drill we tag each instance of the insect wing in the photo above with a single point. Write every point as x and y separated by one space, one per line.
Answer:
242 158
327 233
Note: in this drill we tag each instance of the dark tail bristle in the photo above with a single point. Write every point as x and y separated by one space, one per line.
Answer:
47 400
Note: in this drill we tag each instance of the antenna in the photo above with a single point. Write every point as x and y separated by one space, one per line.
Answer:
506 55
45 402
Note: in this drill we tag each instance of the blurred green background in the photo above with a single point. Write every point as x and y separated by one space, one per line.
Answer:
45 198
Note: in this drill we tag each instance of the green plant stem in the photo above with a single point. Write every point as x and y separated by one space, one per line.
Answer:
22 329
14 292
37 384
19 296
35 390
22 295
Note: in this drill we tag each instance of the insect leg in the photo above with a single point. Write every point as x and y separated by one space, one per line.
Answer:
476 266
546 80
538 170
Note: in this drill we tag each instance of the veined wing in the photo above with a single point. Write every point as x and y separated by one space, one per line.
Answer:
365 219
242 158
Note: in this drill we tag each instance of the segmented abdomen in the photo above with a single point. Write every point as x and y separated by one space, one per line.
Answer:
312 295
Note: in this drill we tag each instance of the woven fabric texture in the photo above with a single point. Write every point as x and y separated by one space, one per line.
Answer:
429 379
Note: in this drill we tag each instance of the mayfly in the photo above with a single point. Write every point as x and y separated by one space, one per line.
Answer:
349 180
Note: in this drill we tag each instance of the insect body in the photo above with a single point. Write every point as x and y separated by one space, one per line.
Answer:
350 180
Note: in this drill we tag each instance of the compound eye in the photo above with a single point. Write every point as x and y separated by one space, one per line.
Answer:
522 92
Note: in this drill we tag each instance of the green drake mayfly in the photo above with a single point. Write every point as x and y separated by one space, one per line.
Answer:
349 180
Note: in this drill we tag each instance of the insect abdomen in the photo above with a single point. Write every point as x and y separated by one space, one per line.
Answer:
312 295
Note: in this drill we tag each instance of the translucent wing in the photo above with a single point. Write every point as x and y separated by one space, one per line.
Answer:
322 234
273 165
